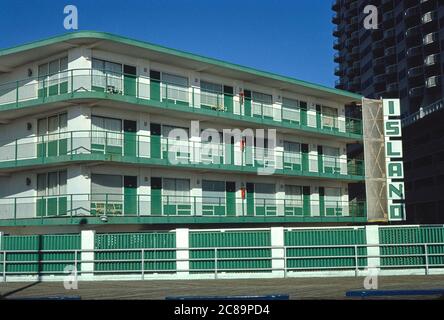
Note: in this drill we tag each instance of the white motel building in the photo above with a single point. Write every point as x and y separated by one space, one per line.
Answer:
89 127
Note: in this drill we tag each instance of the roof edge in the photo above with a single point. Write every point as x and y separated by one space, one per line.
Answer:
122 39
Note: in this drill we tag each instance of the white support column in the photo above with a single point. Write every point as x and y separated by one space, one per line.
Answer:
144 135
341 118
277 255
277 105
314 201
2 262
280 197
144 191
182 245
87 243
79 189
372 236
79 119
196 194
143 73
311 115
279 153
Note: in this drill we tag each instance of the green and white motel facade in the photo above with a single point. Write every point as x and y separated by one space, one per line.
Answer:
100 133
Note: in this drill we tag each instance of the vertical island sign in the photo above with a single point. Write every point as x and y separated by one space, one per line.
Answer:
394 163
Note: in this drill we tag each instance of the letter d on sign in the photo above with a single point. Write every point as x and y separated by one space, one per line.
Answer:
71 21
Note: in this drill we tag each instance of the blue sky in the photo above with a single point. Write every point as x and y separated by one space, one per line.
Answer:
288 37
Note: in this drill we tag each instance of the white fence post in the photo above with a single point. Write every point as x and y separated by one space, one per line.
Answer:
373 251
87 254
182 253
2 261
277 255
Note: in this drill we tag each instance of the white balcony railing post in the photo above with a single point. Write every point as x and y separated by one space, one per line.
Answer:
426 259
143 263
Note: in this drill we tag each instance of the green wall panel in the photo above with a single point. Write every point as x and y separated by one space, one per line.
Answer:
135 241
204 260
37 262
411 235
300 258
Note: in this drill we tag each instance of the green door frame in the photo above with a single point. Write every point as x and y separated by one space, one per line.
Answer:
130 195
156 196
230 195
129 138
130 80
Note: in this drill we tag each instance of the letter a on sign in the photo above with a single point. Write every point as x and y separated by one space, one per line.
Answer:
71 21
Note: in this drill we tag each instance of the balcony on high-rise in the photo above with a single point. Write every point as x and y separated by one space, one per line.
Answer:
411 15
432 60
390 36
415 72
388 19
414 52
416 92
433 82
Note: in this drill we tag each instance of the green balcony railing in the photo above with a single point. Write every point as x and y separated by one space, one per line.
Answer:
77 205
128 146
70 83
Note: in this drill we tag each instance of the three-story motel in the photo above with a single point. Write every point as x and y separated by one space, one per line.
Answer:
85 138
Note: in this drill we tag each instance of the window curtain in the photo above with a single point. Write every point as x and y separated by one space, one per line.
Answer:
41 184
331 157
290 109
213 192
265 194
112 127
293 196
104 184
98 73
53 183
62 182
179 145
53 128
329 117
63 69
43 74
333 197
115 77
177 191
292 152
211 94
262 104
54 68
177 87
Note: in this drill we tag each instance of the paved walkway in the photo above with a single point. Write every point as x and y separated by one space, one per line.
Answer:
297 288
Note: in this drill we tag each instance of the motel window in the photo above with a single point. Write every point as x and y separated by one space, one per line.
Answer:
293 195
213 191
290 103
51 183
265 193
292 152
211 94
206 86
330 116
174 87
331 157
53 71
112 127
332 197
106 185
52 125
176 191
262 97
106 73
